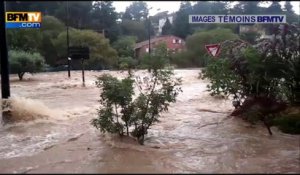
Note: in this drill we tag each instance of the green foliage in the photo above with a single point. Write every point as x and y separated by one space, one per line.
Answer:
22 62
223 81
127 63
125 46
121 110
101 53
137 11
288 123
104 16
167 28
158 58
25 39
51 28
268 69
196 54
135 28
181 25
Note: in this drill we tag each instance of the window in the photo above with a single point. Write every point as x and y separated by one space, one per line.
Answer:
176 41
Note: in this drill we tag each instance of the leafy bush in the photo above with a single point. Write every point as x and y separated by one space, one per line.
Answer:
268 70
127 63
22 62
120 110
158 59
256 70
196 54
125 46
288 123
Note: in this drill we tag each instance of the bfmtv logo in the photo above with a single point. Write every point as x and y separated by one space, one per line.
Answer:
23 19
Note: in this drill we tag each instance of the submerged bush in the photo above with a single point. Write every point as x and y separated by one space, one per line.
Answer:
122 112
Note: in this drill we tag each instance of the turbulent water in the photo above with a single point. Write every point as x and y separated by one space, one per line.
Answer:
52 133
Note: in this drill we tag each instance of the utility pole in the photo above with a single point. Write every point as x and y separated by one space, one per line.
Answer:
68 50
149 31
149 35
5 89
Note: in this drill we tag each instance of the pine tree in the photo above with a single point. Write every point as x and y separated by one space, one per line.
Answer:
167 28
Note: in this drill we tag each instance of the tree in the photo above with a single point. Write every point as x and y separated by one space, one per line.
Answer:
195 44
274 8
120 110
103 18
137 11
47 8
125 46
291 16
220 7
181 23
52 27
101 53
167 28
27 39
79 13
22 62
158 59
135 28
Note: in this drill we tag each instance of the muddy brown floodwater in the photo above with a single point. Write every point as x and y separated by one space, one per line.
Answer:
194 136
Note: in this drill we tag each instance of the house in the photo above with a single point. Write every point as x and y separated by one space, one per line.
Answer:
174 44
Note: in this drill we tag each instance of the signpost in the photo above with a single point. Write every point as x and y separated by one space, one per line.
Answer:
213 49
80 53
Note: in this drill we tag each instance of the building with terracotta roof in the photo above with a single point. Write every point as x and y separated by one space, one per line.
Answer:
174 44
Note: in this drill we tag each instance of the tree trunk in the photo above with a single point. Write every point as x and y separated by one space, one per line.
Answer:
127 128
21 74
267 125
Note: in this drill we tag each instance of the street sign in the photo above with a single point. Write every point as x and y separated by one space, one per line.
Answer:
213 49
79 52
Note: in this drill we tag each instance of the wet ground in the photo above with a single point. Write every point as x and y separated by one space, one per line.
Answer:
194 136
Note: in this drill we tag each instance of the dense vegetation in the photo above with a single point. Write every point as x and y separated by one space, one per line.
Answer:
99 26
265 75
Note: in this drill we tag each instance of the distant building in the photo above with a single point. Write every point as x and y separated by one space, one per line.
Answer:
174 44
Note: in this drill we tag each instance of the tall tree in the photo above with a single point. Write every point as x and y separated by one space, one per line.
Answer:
134 28
291 16
79 13
274 8
167 28
181 24
137 11
246 7
104 19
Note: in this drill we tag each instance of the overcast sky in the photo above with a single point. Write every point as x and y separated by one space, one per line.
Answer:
173 6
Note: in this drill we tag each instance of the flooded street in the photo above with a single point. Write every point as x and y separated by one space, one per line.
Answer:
194 136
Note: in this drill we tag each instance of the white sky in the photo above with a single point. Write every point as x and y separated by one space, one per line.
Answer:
173 6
